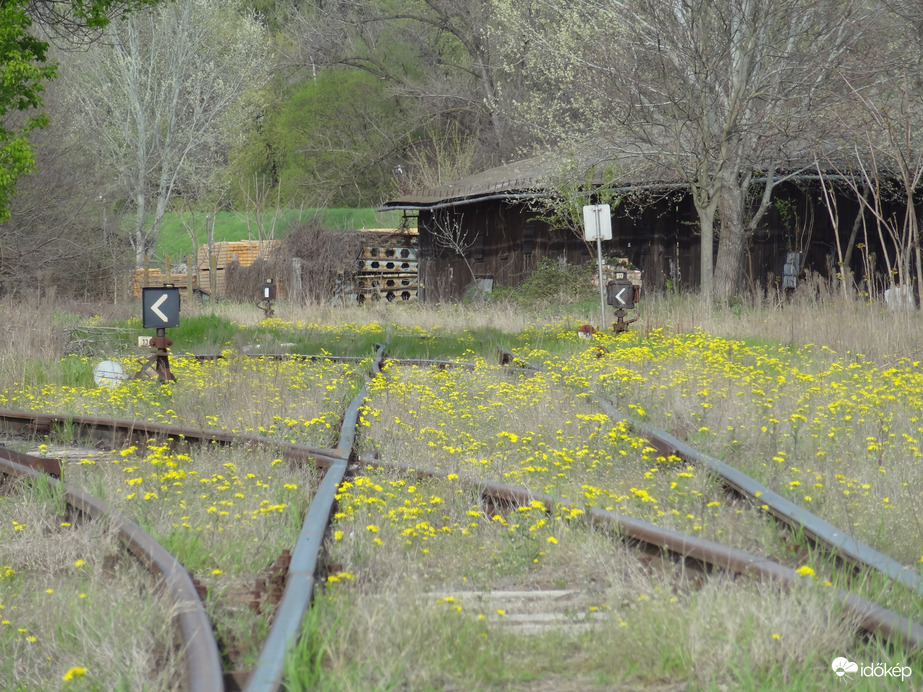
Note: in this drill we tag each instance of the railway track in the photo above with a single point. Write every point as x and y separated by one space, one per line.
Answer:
202 659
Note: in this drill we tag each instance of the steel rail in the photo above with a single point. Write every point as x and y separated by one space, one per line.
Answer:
299 586
113 432
199 650
787 511
872 618
820 531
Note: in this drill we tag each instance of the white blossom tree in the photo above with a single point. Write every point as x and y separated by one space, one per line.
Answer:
723 96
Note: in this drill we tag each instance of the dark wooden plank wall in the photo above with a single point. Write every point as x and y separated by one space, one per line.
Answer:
661 239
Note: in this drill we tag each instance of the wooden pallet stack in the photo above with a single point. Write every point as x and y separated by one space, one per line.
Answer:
387 271
155 277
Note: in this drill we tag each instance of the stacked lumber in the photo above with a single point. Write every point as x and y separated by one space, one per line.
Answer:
141 278
242 252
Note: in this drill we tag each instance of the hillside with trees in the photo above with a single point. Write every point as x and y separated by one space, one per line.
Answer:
124 111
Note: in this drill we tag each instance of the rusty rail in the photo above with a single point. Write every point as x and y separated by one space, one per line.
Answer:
299 588
199 648
820 531
872 617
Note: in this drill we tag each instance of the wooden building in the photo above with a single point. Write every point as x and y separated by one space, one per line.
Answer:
494 218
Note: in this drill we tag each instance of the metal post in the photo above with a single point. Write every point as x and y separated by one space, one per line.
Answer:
599 260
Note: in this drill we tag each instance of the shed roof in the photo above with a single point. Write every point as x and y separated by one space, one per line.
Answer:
535 177
526 178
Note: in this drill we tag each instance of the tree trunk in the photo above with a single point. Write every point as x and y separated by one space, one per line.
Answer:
706 205
731 256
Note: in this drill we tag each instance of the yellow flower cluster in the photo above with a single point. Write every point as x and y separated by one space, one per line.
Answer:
290 399
531 430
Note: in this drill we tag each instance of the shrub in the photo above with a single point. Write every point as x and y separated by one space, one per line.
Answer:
551 281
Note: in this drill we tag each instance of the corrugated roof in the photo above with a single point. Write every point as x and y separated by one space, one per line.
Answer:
532 177
526 176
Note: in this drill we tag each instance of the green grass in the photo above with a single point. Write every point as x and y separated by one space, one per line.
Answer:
175 240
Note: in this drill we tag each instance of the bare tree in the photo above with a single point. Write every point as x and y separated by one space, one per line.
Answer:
57 240
883 138
723 94
449 233
157 99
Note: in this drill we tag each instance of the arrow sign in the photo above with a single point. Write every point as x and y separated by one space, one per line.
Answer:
160 307
155 308
621 294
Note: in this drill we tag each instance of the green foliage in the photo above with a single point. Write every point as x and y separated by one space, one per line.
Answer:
174 240
551 282
564 209
304 669
20 90
25 69
75 372
327 143
203 333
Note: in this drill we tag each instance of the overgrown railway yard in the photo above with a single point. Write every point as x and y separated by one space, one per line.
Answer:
377 504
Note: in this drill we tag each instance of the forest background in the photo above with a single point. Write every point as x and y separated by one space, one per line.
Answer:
131 110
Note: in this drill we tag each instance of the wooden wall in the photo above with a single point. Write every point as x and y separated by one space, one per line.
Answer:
662 239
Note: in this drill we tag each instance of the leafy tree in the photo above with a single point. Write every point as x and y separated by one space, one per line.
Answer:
442 58
26 68
330 142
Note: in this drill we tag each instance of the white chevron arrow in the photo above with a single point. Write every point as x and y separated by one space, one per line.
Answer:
155 308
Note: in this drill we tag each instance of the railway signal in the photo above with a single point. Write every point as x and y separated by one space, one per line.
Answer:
159 310
622 294
160 307
267 295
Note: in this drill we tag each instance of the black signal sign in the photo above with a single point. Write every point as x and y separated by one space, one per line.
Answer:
160 307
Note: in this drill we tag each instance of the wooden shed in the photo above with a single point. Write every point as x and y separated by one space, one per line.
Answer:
496 216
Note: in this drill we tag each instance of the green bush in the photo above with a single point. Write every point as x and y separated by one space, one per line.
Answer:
551 281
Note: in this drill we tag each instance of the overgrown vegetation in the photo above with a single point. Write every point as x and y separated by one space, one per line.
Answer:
413 568
550 285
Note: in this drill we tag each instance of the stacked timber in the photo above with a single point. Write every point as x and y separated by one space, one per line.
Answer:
243 252
141 278
220 255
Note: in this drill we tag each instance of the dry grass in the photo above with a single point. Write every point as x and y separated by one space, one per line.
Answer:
455 317
400 600
70 599
813 316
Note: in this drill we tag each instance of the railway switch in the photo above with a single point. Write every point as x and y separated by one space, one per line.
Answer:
622 294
